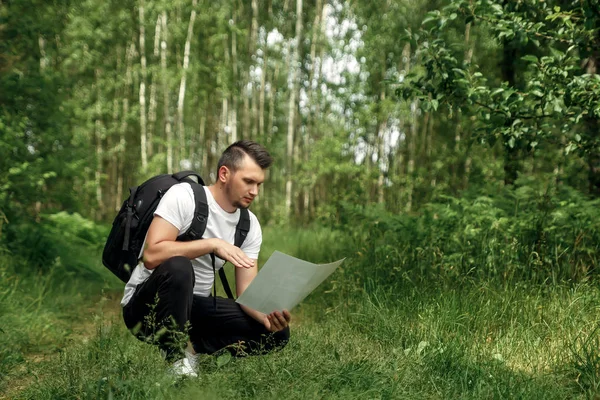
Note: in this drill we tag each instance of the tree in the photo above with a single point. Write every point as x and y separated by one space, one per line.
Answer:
554 99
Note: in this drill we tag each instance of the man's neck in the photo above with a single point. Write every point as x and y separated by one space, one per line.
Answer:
218 192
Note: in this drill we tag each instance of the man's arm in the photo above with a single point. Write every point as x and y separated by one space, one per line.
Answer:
275 321
162 244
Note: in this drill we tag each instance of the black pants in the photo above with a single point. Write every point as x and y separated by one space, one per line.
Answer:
162 306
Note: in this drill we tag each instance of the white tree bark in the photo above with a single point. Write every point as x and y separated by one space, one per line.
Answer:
186 64
153 102
143 132
98 134
234 95
165 85
43 56
253 45
294 70
261 96
225 93
123 128
381 132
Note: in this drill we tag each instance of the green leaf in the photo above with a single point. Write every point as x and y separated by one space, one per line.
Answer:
511 142
570 147
428 19
530 58
537 93
223 359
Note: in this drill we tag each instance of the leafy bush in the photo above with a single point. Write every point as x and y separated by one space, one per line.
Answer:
523 234
61 243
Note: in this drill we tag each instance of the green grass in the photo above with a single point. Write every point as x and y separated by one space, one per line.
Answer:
41 312
466 340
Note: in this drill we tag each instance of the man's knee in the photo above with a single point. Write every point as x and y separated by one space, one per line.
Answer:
178 270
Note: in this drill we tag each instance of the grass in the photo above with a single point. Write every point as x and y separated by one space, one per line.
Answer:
467 340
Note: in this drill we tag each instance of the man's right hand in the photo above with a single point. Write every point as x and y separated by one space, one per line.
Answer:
231 253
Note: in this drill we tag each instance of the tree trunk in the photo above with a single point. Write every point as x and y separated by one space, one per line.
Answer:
511 154
143 133
381 132
202 140
468 58
43 56
99 150
319 74
275 83
592 153
235 84
261 96
294 70
165 85
153 102
124 126
252 52
412 146
226 91
182 85
310 132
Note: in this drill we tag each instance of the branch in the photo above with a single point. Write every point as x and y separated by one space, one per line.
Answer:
538 34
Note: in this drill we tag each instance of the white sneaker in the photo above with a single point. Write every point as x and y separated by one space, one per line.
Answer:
183 367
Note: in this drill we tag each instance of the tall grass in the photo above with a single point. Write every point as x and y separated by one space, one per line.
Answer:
389 324
47 280
471 342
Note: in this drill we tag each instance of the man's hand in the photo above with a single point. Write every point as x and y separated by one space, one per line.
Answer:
231 253
277 321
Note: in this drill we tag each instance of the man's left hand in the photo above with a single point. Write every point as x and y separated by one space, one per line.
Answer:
277 321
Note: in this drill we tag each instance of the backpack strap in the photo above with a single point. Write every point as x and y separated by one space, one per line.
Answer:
132 192
242 228
200 220
241 231
191 176
200 214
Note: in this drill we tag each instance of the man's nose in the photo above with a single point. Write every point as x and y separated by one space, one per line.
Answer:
254 190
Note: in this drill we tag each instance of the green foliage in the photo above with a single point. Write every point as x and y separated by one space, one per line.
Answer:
60 244
530 234
546 95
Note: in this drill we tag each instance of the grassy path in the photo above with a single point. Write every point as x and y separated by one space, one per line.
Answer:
81 329
469 342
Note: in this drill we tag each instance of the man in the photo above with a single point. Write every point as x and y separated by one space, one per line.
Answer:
171 287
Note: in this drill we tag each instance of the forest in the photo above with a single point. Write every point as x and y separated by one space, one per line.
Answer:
449 149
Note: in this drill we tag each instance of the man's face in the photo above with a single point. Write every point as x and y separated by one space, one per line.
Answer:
241 186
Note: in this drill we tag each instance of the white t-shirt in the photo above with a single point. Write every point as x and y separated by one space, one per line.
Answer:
177 207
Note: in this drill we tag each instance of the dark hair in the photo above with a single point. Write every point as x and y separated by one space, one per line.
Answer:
234 154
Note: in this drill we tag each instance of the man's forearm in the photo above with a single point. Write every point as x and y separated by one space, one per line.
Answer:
257 315
160 252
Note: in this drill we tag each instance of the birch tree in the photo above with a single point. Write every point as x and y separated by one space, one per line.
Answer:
165 89
294 71
142 97
186 63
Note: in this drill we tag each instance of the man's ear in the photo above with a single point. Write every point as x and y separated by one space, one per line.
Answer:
224 174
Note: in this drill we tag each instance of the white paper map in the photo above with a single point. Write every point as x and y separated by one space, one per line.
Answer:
283 282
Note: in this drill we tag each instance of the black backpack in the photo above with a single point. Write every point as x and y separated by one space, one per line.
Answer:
124 243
